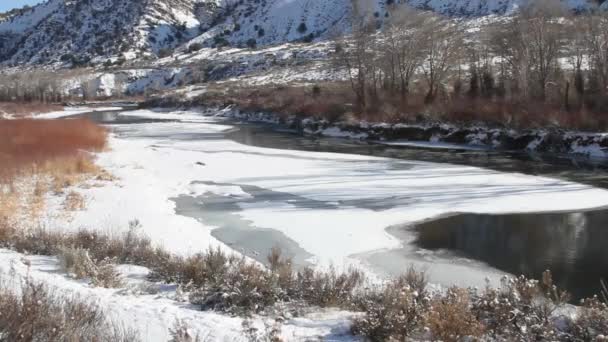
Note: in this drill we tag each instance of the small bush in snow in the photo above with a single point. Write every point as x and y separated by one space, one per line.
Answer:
271 332
450 317
394 312
194 47
181 333
77 262
592 320
36 314
521 309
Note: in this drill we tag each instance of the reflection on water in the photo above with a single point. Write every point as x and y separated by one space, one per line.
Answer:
571 245
568 167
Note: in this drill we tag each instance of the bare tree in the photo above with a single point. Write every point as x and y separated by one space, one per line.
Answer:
596 33
443 52
540 20
404 44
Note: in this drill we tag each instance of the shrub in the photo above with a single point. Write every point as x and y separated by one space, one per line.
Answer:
236 287
164 52
521 308
592 320
74 201
395 312
180 333
328 288
450 317
77 262
252 43
302 28
36 314
194 47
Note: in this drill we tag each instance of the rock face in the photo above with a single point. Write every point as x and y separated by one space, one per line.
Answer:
75 32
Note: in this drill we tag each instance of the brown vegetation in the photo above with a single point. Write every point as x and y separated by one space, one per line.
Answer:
27 142
335 102
38 156
26 109
37 314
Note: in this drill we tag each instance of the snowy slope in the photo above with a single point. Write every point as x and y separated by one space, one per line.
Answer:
279 21
29 19
99 29
78 31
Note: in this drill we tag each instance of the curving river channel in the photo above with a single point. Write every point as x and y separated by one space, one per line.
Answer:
571 244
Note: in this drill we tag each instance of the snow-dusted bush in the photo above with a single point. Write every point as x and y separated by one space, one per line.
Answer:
37 314
394 312
592 321
450 318
521 309
77 262
181 333
327 288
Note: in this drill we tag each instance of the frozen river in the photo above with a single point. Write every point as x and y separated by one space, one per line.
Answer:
195 182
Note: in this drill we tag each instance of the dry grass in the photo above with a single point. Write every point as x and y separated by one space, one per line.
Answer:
24 143
36 314
39 156
26 109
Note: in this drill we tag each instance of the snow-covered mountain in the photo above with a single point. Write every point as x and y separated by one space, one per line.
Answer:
79 30
103 31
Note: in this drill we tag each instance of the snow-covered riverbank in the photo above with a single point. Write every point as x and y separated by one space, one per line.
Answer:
441 135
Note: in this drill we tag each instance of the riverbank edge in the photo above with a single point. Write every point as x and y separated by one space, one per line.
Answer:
478 136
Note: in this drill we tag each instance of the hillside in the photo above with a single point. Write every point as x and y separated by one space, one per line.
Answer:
79 32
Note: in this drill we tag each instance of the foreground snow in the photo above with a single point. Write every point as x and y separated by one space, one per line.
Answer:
153 315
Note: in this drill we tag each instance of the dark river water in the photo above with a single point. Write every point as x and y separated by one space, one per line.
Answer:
573 245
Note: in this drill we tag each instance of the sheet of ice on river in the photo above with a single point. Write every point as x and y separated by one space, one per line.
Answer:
359 196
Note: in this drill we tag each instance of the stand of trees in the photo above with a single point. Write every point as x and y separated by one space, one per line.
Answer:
542 55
